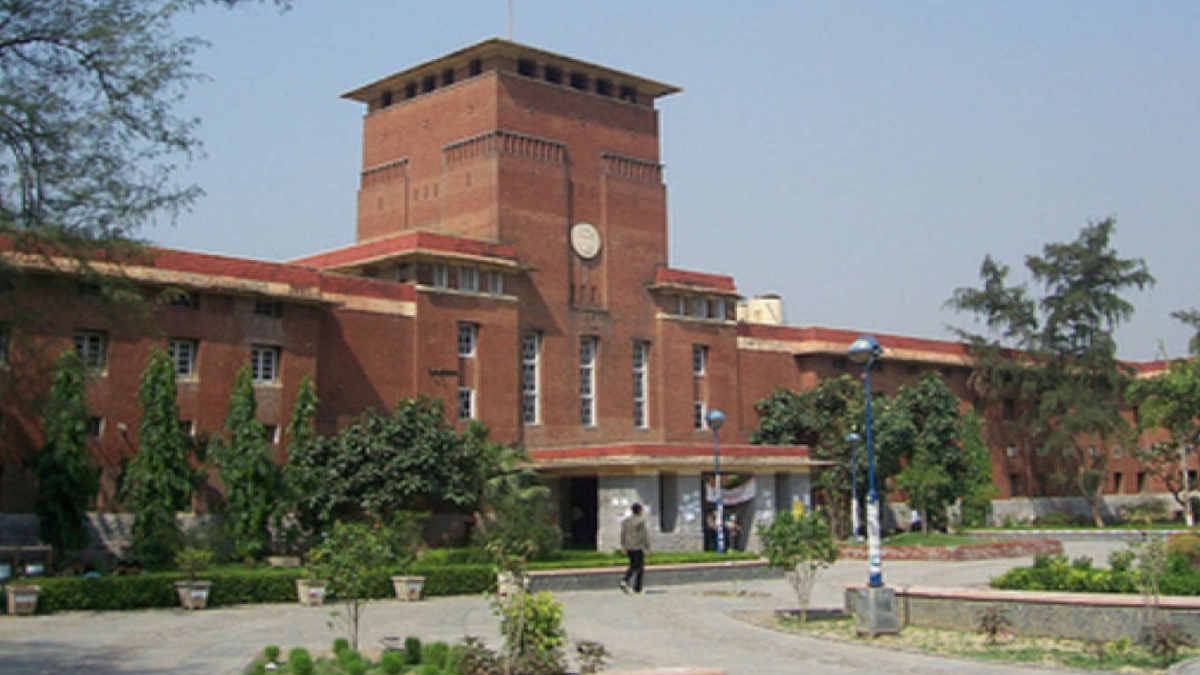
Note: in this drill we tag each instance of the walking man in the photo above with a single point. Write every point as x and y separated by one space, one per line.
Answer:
635 543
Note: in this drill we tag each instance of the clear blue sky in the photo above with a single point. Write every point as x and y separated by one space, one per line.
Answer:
858 158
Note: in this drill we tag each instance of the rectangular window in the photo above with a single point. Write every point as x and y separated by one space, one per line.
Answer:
680 306
699 360
95 427
531 348
268 308
92 348
699 307
1012 451
699 415
264 364
1118 479
719 309
468 279
466 403
1141 481
668 501
183 353
271 433
468 336
4 331
441 275
587 381
641 360
185 299
496 283
188 427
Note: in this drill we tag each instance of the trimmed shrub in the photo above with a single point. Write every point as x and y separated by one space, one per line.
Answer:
300 662
1185 545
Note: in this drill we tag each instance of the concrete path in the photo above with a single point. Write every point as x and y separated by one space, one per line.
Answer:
673 626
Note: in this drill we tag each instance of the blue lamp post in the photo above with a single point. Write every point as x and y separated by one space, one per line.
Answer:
853 439
864 351
715 419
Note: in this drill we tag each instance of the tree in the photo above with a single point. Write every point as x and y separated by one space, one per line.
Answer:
1170 401
820 418
67 480
924 422
158 481
1052 360
89 137
356 555
251 479
978 489
382 464
301 436
801 547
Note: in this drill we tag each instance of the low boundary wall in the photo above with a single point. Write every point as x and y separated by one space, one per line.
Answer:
606 578
1077 616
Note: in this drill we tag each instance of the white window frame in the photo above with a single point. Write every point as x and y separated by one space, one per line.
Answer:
465 404
699 360
641 394
531 374
699 307
588 347
265 364
495 280
441 275
681 305
468 279
183 353
92 348
468 340
719 309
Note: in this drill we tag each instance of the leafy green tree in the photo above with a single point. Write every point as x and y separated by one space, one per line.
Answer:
1052 359
925 420
67 480
158 481
801 547
820 418
301 435
354 557
978 490
252 481
89 135
382 464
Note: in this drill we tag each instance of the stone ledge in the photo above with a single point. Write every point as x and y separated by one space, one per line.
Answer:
1018 548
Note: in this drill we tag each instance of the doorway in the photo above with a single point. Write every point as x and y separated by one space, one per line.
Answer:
581 512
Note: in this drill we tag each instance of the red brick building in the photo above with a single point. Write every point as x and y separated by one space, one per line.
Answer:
511 260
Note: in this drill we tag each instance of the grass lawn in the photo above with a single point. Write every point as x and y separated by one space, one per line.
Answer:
1097 655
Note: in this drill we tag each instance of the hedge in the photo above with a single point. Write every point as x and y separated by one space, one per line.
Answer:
1055 573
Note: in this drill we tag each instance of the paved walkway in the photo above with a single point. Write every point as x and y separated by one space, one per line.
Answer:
674 626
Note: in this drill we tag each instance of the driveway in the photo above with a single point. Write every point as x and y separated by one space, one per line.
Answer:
672 626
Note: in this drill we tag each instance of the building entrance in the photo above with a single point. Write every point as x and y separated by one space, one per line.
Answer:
580 513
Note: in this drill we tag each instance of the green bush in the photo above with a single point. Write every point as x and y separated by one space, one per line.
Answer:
412 650
1055 573
457 579
435 653
391 663
300 662
1185 545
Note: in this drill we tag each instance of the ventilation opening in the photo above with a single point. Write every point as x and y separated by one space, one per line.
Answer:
428 84
410 90
526 67
604 87
386 99
475 68
447 76
579 81
628 93
552 74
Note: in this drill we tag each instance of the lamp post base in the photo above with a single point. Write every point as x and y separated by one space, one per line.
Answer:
875 612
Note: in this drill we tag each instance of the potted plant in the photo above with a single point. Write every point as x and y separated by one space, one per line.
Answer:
408 587
22 598
193 594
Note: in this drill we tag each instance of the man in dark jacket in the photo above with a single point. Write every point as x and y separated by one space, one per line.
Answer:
635 543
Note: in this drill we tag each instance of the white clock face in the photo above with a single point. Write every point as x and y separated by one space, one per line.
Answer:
585 239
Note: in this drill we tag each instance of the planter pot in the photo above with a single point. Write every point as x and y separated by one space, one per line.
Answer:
193 594
22 599
311 593
283 560
408 589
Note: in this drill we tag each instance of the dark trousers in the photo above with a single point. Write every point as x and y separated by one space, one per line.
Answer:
637 567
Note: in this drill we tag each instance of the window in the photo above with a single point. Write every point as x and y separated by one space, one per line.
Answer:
641 356
92 348
495 282
468 336
89 290
553 74
271 433
699 360
1012 451
441 275
628 93
428 84
604 87
4 331
410 90
188 427
699 415
268 308
526 67
447 76
183 353
699 307
475 67
264 364
1141 481
719 310
531 347
680 308
1118 479
468 279
95 427
385 101
587 381
466 403
185 299
1117 452
579 81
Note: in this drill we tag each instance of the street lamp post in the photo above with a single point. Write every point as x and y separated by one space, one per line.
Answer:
875 606
853 439
715 419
